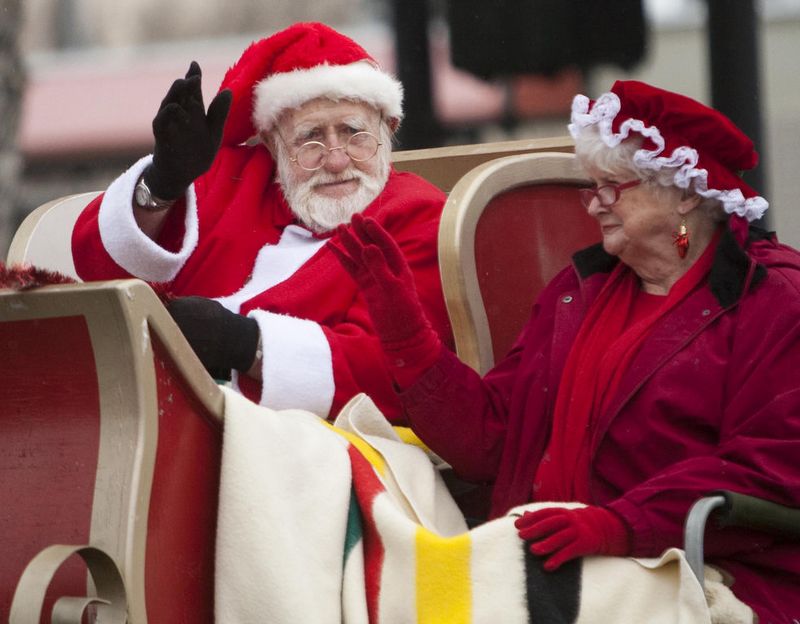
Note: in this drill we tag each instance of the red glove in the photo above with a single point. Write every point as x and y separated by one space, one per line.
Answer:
374 260
566 534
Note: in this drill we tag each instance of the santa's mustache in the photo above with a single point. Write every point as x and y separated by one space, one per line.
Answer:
325 177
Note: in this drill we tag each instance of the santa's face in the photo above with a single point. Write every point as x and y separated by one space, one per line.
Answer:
341 186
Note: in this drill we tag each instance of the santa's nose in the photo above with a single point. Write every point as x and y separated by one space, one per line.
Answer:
337 159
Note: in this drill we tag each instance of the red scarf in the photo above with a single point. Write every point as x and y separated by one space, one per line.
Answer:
609 338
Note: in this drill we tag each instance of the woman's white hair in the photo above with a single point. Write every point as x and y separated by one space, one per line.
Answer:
593 154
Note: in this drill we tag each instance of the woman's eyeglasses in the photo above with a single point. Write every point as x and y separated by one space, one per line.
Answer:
607 195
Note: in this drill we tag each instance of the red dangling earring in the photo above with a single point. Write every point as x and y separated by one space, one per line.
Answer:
681 239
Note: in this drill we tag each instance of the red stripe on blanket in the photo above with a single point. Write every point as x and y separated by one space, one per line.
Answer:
367 487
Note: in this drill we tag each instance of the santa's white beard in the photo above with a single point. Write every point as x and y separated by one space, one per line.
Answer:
320 213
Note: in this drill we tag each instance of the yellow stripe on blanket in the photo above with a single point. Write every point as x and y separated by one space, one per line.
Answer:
444 588
409 437
369 453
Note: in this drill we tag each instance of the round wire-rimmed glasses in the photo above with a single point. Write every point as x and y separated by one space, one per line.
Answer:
360 146
607 195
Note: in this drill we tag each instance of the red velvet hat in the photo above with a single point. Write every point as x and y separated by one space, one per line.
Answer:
702 143
299 64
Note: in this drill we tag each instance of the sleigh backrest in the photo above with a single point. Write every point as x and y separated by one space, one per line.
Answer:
45 237
508 227
445 166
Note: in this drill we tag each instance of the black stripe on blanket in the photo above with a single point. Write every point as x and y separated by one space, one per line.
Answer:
553 597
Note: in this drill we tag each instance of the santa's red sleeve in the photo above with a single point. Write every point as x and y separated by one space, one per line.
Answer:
325 351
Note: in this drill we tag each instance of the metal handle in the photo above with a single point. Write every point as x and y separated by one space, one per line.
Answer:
695 528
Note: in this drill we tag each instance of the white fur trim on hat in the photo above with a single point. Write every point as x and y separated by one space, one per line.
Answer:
684 159
360 81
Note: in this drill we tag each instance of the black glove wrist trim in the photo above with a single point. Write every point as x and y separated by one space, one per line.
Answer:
243 351
159 190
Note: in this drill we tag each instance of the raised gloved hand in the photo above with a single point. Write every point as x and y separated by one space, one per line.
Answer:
566 534
186 138
378 266
223 340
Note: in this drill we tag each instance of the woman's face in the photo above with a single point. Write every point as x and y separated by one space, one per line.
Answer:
640 224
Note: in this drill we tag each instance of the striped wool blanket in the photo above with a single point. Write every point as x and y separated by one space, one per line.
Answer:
349 524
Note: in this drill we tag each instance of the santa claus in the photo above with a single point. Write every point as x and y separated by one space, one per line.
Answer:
238 204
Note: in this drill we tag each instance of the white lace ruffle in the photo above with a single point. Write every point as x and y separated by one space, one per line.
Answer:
683 158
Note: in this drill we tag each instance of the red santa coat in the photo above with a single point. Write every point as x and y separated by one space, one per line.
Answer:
711 401
235 239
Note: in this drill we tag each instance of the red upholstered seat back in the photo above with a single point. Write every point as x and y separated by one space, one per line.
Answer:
523 238
49 440
509 225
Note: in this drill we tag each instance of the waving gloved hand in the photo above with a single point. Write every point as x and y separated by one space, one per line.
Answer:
376 263
223 340
566 534
186 138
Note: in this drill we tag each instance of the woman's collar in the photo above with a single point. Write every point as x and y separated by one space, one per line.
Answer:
731 272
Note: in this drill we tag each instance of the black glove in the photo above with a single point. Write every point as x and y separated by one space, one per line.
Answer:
186 138
223 340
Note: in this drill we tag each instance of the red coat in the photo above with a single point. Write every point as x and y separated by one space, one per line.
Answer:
235 239
711 401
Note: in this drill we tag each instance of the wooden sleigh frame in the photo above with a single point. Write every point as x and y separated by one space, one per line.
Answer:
509 225
111 428
111 436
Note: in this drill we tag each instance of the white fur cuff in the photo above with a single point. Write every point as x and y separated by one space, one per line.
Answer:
297 367
131 248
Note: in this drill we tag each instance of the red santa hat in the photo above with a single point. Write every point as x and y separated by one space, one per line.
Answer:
702 144
303 62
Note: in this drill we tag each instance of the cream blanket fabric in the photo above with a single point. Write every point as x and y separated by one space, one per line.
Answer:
348 524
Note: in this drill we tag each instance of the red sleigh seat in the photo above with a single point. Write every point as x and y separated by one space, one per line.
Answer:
508 227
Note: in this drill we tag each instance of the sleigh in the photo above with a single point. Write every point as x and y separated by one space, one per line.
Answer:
111 430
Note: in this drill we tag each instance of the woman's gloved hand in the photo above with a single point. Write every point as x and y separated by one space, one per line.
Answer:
566 534
374 260
223 340
186 138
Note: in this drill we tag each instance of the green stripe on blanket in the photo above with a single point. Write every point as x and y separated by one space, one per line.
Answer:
354 531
